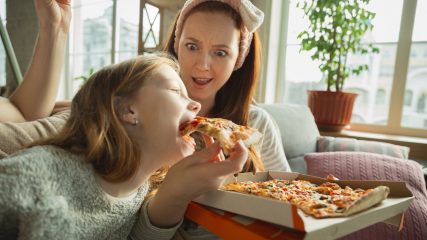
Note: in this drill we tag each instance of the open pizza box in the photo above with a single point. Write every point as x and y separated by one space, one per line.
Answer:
284 214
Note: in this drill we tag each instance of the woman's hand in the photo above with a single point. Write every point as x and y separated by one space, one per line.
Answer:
54 14
191 177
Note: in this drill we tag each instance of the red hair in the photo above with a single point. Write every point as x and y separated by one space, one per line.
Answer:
233 100
94 128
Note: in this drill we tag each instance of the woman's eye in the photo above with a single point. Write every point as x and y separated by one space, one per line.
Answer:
191 46
221 53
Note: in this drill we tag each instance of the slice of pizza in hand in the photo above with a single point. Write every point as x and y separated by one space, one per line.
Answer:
223 130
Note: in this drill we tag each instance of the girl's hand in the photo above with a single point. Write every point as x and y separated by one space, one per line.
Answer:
191 177
54 14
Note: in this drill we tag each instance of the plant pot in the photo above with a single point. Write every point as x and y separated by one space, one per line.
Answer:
331 110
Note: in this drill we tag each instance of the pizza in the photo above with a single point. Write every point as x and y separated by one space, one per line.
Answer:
320 201
223 130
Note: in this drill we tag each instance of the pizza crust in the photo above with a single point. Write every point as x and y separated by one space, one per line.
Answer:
374 197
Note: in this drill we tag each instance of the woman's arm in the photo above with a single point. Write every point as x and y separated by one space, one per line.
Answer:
35 96
271 147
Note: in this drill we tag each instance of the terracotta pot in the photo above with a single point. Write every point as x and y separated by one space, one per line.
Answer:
332 110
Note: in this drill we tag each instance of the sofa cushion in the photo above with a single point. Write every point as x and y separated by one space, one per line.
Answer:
333 144
297 164
14 136
370 166
297 128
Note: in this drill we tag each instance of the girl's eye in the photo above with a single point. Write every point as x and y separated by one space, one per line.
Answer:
191 46
221 53
178 91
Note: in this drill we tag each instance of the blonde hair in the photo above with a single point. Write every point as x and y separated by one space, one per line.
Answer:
94 128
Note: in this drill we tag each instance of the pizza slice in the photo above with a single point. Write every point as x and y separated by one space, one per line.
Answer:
223 130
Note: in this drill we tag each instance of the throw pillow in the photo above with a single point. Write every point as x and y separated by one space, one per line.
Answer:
370 166
334 144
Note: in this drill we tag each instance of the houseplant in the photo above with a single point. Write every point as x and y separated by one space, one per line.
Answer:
335 32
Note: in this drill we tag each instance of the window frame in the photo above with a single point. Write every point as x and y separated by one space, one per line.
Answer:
114 53
400 74
141 48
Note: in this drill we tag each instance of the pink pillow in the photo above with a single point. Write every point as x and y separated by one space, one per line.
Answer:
371 166
336 144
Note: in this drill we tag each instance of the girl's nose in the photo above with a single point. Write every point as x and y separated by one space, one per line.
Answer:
194 106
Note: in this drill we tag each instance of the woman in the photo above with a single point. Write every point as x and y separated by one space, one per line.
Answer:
219 54
90 180
35 96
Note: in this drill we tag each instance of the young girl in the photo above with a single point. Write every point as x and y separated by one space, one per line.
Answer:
90 180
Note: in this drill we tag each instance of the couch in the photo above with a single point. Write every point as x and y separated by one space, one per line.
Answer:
347 158
301 136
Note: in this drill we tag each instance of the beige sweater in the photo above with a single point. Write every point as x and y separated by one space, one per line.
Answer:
15 136
49 193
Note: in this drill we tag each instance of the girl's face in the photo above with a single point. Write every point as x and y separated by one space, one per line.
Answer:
161 105
207 53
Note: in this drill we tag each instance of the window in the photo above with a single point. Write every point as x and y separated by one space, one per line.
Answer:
102 32
416 80
382 96
90 43
408 98
128 24
10 74
151 22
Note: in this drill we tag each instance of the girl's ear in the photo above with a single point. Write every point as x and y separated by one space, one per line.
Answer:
129 117
124 111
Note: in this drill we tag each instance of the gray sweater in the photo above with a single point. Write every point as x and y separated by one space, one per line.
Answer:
49 193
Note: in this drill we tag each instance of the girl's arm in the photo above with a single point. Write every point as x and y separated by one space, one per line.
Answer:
35 96
191 177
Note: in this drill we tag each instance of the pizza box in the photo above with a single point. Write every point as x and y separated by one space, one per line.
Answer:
284 214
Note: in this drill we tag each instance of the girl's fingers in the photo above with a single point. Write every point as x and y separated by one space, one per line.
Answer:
209 141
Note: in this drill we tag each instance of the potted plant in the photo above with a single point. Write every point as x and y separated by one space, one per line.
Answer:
335 33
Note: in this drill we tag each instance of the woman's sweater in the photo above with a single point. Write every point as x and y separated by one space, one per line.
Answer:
47 192
270 147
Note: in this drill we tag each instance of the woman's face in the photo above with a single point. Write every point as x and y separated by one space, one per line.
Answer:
162 104
207 53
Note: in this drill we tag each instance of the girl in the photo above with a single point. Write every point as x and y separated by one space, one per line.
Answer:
90 180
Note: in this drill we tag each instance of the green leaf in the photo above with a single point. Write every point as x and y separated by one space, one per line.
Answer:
336 30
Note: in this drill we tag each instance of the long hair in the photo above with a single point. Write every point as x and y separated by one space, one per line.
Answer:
233 100
94 128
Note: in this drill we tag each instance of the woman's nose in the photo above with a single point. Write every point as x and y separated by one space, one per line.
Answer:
203 61
194 106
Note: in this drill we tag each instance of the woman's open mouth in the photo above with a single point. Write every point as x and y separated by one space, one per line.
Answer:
201 81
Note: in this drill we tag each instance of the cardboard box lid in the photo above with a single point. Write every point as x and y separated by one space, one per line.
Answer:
288 215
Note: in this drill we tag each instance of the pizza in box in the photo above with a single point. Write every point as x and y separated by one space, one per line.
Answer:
319 201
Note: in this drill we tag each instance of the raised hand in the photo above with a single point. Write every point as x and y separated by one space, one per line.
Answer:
54 14
191 177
